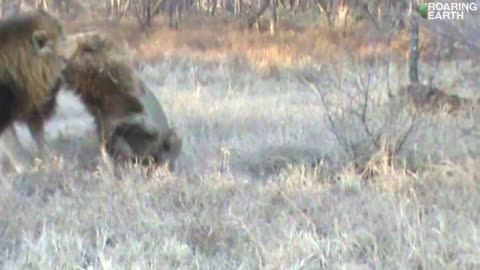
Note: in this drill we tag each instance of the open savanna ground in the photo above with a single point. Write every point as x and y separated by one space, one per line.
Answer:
287 169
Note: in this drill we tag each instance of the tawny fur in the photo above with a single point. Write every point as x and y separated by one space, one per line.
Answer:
102 73
426 98
27 71
30 74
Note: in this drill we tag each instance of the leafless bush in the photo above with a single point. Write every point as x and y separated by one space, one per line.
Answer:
117 9
381 14
370 130
145 10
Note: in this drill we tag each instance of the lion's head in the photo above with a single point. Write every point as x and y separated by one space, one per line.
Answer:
138 139
96 62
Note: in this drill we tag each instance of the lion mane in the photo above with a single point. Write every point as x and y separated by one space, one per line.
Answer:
31 66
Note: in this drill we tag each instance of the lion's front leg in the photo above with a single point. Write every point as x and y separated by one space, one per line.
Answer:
37 130
18 156
100 126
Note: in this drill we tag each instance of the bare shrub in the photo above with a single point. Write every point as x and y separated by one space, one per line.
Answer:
145 10
370 131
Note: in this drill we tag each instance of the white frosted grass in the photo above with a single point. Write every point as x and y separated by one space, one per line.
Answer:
213 213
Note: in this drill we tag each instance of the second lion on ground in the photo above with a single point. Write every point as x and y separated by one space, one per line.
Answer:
129 120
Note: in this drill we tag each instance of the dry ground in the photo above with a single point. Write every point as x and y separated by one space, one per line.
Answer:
246 195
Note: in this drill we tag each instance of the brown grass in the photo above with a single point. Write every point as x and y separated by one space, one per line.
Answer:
208 38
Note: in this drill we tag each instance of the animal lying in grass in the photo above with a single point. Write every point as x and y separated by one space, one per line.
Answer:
31 66
426 98
130 122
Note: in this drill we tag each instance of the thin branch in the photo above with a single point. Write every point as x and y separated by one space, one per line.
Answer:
331 122
407 133
438 58
139 15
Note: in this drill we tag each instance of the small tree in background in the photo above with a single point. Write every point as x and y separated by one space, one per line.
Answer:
145 10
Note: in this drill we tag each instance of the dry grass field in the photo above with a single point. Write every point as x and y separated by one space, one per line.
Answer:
263 182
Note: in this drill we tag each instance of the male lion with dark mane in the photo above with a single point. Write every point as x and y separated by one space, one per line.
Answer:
30 76
129 120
